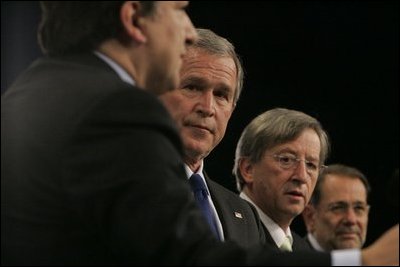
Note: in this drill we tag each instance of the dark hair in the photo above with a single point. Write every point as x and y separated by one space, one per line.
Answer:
81 26
338 169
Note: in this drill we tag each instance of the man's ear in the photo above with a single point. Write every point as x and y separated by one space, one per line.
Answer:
246 170
130 16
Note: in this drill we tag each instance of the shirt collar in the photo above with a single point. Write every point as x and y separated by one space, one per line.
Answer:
276 232
189 173
314 243
116 67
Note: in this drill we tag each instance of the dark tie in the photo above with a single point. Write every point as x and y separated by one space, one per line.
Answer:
201 195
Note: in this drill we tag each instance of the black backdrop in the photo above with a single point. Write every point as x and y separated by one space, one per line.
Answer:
335 60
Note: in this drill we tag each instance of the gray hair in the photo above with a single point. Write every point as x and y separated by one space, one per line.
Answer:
272 128
219 46
338 169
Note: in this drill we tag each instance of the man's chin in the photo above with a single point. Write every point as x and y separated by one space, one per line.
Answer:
195 151
348 244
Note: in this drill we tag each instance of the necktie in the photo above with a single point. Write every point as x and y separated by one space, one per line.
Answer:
201 195
286 245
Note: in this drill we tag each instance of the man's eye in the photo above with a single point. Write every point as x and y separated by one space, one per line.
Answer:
285 159
311 166
338 208
190 87
360 208
221 95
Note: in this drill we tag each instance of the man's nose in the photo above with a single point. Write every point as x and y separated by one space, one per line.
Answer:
350 216
191 33
300 171
206 104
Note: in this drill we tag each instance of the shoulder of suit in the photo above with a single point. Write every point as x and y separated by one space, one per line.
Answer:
221 191
300 242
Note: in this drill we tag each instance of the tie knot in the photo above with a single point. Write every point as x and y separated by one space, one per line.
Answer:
286 245
197 184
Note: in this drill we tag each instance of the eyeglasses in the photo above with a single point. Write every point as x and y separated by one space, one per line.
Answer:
289 161
340 208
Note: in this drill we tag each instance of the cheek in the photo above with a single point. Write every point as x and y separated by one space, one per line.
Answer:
267 180
262 187
364 222
221 130
222 123
310 189
332 221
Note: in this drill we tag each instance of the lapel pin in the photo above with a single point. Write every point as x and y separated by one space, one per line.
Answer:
238 215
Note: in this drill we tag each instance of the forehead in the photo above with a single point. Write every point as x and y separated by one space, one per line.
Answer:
210 67
307 143
168 4
199 57
341 187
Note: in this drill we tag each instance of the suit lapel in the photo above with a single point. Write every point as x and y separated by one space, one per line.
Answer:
232 218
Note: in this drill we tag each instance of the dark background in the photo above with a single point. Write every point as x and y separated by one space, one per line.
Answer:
337 61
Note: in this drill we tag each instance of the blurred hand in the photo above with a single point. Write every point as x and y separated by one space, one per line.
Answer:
384 251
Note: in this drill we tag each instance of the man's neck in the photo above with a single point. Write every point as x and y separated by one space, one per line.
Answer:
194 166
120 54
282 221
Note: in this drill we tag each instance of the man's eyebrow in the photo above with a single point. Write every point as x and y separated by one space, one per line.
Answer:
194 79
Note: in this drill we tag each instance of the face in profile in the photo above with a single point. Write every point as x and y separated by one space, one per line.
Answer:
169 31
340 219
204 102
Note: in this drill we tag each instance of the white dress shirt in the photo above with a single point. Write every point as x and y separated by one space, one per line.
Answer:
342 257
117 68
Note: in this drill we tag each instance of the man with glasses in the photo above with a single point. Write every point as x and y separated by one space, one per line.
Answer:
278 160
337 215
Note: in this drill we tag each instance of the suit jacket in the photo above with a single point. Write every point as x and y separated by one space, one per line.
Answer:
239 219
91 174
87 162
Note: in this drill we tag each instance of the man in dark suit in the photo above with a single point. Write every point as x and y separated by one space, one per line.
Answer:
91 163
211 82
83 142
277 162
278 174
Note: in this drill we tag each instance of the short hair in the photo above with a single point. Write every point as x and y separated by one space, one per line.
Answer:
337 169
81 26
272 128
219 46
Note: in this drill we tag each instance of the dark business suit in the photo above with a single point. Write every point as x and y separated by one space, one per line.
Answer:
239 219
91 169
91 174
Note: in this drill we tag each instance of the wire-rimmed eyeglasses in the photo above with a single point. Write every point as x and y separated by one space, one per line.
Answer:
289 161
